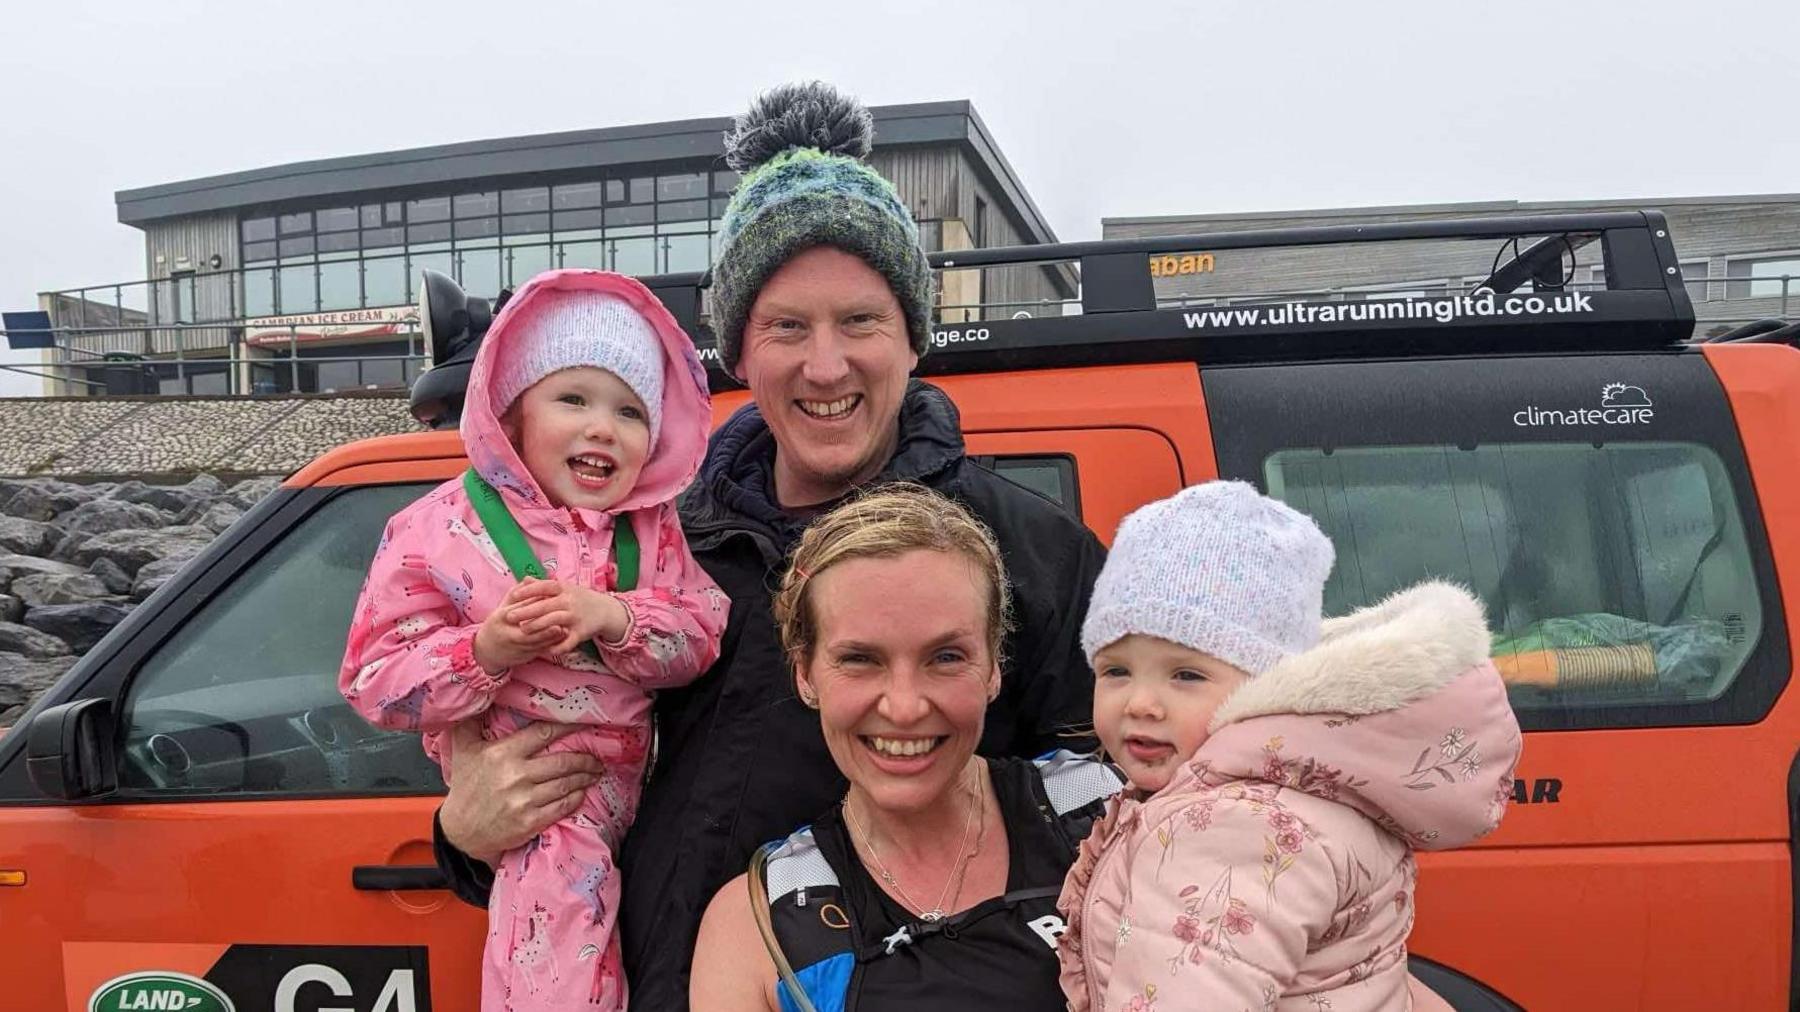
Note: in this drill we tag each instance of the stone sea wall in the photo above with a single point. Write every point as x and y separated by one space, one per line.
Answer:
75 558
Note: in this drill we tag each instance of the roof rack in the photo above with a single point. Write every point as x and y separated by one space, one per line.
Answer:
1644 304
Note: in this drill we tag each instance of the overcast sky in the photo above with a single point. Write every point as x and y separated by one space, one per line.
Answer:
1103 108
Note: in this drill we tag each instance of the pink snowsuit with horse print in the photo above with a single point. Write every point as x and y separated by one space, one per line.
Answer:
410 665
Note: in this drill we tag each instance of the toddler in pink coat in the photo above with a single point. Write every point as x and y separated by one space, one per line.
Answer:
586 414
1283 768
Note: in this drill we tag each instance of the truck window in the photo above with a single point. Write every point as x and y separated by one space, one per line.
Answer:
1614 574
243 698
1049 475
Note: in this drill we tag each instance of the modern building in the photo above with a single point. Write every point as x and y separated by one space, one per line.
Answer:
1740 256
303 277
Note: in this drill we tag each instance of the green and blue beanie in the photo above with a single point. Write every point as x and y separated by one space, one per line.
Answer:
801 149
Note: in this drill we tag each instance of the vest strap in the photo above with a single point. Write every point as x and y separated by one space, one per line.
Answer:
510 538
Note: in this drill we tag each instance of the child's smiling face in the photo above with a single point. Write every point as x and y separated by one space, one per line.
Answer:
1152 702
582 434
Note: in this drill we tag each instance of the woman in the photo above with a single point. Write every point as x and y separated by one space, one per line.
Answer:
933 883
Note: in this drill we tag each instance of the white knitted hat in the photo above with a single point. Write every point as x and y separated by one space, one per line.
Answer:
1216 568
564 329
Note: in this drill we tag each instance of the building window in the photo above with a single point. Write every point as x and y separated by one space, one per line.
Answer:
1761 277
1693 273
369 256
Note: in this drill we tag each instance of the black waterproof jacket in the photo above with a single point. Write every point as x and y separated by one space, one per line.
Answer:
740 761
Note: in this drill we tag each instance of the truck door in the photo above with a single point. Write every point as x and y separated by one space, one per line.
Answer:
264 843
1603 508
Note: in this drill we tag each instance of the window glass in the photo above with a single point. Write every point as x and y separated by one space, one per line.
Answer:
377 238
634 256
480 272
724 181
686 252
524 262
428 209
643 190
1052 477
209 380
340 285
384 281
299 246
536 198
476 205
439 232
577 195
258 229
1694 273
243 698
630 215
258 251
292 224
1612 574
259 292
687 186
371 216
382 372
337 219
583 254
567 221
297 292
525 224
440 262
1771 269
477 228
336 242
687 210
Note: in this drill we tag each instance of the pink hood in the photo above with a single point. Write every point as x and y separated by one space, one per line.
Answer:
686 406
1397 712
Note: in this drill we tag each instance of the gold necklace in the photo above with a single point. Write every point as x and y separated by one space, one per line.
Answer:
957 873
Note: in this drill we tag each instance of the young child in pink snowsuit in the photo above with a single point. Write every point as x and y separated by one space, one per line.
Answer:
587 408
1283 768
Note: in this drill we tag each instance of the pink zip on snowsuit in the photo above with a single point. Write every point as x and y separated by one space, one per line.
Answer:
410 665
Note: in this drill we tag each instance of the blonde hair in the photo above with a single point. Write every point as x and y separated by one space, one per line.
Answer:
881 524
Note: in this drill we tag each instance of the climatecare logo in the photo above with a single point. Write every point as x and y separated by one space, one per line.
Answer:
1620 404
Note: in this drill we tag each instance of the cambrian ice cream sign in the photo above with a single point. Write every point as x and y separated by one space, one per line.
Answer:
349 324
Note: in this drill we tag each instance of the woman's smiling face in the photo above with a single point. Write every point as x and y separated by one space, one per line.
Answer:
901 671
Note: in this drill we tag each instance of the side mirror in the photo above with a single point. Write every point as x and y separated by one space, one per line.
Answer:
69 750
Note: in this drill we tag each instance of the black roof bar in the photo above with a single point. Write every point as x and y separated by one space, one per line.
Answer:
1644 306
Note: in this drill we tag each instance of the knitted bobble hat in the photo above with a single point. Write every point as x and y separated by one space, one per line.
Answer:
1216 568
565 329
800 148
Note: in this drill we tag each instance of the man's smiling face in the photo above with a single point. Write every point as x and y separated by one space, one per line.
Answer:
826 355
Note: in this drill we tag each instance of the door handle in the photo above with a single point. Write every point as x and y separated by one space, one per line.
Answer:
386 877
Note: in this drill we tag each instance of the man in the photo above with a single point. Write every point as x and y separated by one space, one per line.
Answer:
821 304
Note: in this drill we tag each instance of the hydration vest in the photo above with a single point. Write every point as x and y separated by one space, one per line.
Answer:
852 946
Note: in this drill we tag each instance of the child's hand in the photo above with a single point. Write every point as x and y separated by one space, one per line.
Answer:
502 641
577 613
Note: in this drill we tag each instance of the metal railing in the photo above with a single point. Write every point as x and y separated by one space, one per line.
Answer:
268 363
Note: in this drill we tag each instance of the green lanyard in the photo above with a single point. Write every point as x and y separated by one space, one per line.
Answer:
517 551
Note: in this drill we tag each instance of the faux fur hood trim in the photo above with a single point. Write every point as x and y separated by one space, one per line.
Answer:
1376 659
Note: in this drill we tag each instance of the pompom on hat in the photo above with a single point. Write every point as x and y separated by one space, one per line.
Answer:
1216 568
801 149
570 328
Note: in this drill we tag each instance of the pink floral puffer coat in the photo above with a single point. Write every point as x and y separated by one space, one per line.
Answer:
1276 870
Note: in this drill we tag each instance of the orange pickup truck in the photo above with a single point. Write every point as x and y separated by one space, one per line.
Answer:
193 816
